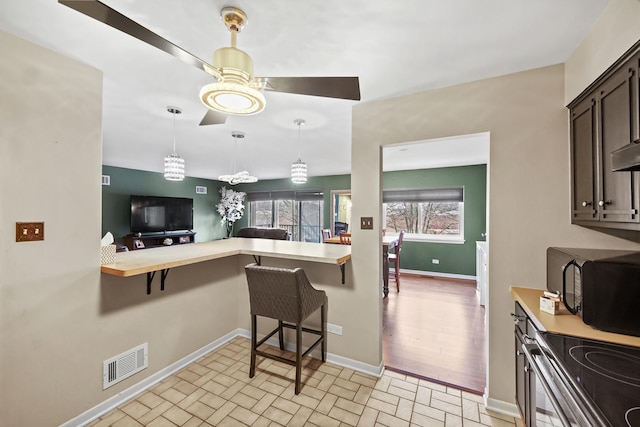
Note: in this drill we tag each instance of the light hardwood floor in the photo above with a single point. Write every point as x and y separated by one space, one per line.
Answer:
434 329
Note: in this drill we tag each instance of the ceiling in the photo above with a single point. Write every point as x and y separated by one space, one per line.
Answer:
394 47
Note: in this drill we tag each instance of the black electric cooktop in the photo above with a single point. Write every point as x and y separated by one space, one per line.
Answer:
608 373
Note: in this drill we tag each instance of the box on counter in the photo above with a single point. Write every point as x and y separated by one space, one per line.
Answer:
107 254
550 305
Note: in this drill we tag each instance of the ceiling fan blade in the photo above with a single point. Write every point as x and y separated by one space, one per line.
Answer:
113 18
213 118
329 87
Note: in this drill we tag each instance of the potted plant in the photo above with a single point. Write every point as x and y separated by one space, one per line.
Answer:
231 207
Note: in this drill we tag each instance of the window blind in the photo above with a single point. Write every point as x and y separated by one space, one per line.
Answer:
415 195
304 195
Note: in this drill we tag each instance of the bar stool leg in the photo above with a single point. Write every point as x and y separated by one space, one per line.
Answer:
323 329
280 335
298 356
254 341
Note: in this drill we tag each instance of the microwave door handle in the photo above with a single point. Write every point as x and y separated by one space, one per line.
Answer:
572 310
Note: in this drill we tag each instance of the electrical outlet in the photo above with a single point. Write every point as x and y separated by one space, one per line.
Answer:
334 329
435 261
29 231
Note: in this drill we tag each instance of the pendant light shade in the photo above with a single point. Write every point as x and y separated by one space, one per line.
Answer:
299 172
174 164
299 168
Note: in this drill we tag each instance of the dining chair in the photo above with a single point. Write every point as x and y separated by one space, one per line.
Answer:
394 258
345 238
326 234
287 296
340 227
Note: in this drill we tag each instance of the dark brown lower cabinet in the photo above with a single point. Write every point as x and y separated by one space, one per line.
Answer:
524 384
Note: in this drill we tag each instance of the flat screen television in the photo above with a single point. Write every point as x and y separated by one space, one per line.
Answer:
153 214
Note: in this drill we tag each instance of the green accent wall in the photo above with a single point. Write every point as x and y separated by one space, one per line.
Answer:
454 258
125 182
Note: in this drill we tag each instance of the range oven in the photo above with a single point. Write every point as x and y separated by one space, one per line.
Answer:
581 382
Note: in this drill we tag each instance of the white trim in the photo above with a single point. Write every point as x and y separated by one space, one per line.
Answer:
118 399
438 274
502 407
428 238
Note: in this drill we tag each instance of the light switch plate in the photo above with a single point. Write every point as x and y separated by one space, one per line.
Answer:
29 231
366 223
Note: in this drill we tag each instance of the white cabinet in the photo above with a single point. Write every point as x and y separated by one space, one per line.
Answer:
481 271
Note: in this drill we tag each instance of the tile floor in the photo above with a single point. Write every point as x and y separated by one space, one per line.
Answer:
216 391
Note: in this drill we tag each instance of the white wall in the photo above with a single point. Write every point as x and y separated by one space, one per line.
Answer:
528 175
59 317
615 31
50 160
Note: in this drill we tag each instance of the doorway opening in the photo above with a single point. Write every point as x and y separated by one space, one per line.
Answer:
435 326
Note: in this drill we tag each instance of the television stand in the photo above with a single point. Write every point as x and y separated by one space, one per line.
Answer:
154 240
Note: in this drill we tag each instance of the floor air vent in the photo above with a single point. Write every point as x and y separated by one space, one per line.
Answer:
124 365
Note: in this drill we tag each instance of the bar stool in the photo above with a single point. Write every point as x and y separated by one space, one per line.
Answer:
287 296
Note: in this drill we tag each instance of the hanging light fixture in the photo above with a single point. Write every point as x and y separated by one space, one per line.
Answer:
174 164
299 168
241 177
236 91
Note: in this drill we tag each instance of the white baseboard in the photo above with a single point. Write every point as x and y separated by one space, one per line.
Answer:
118 399
438 274
502 407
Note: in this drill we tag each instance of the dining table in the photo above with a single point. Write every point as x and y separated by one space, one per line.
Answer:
388 242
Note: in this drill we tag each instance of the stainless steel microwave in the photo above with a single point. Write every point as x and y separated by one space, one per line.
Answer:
601 286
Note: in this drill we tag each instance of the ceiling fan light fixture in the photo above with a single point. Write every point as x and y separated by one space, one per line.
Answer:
232 98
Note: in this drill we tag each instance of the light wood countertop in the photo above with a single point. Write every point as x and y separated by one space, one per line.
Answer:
153 259
564 322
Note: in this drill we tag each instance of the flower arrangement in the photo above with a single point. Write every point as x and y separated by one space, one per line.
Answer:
231 207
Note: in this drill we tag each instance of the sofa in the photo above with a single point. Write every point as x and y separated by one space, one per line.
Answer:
264 233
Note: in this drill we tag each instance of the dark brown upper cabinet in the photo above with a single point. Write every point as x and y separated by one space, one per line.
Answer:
603 119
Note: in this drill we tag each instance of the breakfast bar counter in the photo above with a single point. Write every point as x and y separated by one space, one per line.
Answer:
163 258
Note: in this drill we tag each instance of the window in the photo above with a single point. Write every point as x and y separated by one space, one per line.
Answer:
298 212
425 214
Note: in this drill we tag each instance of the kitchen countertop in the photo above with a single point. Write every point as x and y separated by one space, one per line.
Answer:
564 322
148 260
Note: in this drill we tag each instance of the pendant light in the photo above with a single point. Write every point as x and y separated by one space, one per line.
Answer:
299 168
241 177
174 164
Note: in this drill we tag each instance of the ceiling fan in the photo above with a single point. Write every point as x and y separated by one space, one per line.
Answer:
236 90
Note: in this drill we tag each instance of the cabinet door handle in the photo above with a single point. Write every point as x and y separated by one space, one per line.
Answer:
517 318
585 204
605 202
